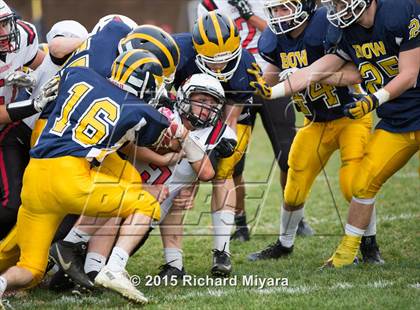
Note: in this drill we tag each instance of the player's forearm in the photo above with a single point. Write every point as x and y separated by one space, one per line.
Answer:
409 66
204 169
4 116
59 47
299 80
346 76
257 22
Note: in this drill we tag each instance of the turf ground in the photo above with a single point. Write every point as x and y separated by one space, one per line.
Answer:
395 285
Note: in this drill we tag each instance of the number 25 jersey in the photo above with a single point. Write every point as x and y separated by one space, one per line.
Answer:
376 50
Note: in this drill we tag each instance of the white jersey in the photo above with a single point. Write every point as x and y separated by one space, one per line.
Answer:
182 174
46 70
248 33
10 62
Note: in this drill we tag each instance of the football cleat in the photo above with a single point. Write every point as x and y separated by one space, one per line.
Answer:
70 258
171 271
304 229
59 282
370 251
120 283
273 251
222 267
242 232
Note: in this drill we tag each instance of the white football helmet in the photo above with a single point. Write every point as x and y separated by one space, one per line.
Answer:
343 13
106 19
299 12
68 29
207 115
9 33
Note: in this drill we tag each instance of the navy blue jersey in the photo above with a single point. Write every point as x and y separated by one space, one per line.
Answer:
92 118
376 50
319 102
98 52
237 88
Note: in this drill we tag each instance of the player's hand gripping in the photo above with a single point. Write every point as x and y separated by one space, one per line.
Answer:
260 85
49 92
243 8
361 107
20 79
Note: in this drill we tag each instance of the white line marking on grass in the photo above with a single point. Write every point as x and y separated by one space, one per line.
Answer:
341 286
380 284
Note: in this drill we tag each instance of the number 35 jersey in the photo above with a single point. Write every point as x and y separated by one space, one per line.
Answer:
320 102
376 50
92 118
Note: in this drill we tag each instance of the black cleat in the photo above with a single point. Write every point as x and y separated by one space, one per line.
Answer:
222 267
370 251
242 232
170 272
304 229
273 251
60 283
70 259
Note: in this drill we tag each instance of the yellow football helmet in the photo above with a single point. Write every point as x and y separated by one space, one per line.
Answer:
138 72
157 41
218 45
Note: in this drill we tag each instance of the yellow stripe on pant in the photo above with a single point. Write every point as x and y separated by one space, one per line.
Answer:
226 166
69 185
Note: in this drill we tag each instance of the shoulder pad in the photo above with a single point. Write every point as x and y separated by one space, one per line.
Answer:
30 31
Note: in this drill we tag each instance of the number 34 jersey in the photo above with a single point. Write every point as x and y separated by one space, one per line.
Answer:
92 118
320 102
376 50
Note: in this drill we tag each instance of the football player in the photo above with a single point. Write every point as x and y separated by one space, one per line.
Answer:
388 64
295 39
199 105
92 117
214 48
115 37
18 48
385 45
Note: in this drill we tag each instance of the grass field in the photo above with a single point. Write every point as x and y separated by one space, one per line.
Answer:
396 285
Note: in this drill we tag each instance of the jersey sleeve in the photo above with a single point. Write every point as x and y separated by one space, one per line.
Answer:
410 26
333 43
150 133
267 46
28 41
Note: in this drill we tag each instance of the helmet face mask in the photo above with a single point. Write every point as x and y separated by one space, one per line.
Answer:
218 45
298 12
9 33
343 13
138 72
200 100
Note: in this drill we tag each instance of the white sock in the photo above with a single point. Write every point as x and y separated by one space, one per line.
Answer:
76 235
288 226
354 231
118 260
94 262
3 285
371 229
223 222
173 257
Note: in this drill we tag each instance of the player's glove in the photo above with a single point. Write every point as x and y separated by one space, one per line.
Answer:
260 85
225 148
243 8
361 107
48 93
20 79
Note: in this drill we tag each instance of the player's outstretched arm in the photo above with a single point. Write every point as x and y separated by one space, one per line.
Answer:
408 66
60 47
348 75
298 81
